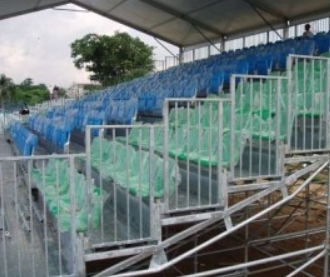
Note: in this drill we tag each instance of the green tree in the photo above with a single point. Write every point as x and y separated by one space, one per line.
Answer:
7 90
112 60
31 93
27 83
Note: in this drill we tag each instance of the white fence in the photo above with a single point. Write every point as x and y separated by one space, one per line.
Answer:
43 211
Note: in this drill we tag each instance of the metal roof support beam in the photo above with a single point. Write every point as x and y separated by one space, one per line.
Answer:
37 4
206 38
122 21
264 7
116 6
35 9
184 17
168 50
263 18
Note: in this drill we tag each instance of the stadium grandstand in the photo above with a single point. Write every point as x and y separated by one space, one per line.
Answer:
216 164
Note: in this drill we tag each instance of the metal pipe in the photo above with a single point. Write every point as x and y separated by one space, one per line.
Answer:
327 230
311 261
224 234
258 262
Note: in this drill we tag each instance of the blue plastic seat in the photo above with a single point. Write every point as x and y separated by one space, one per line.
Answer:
305 47
322 43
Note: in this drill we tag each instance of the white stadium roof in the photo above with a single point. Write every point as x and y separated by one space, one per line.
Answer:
188 22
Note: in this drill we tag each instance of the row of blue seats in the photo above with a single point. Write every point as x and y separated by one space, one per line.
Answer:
88 113
120 104
55 131
24 140
216 69
122 112
89 117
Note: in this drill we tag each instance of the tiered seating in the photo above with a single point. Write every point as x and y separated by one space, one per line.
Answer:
55 187
258 102
56 131
197 141
122 112
130 168
23 139
120 104
311 94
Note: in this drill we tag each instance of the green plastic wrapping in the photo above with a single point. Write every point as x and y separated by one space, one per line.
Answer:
55 187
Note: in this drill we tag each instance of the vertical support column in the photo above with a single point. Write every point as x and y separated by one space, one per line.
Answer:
193 54
327 99
244 42
181 55
286 32
296 30
327 229
222 184
166 112
267 38
166 67
223 45
246 243
80 267
88 168
232 125
290 113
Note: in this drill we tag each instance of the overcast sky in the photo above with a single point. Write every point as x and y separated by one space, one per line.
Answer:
38 45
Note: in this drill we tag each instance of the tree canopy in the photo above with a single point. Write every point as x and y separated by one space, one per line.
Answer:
26 92
7 88
112 59
30 93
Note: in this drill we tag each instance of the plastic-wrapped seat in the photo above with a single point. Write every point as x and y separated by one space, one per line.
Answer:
137 172
139 137
101 150
312 104
140 185
191 143
119 158
178 116
207 153
176 145
54 182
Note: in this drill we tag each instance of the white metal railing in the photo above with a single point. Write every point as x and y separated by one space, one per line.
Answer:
136 172
42 212
259 118
123 161
308 104
197 137
321 249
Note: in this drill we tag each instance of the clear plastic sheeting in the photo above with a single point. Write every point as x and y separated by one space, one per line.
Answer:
129 167
56 190
40 208
128 163
197 137
308 102
259 116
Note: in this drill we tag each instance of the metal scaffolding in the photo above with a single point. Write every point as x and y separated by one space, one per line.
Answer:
232 186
